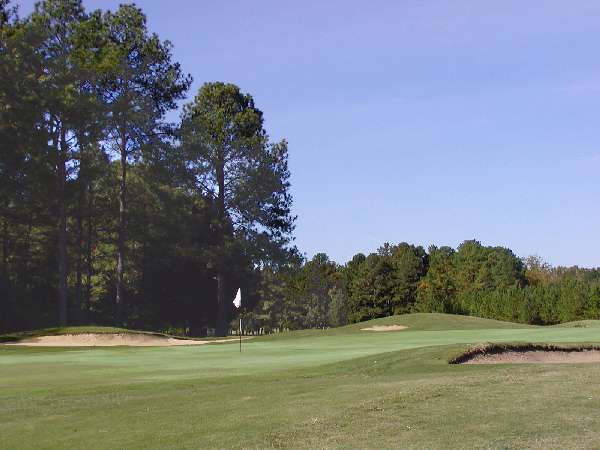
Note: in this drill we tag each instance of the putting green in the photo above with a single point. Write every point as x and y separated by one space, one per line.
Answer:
282 390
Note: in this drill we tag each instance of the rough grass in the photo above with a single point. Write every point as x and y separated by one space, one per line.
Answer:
319 389
580 324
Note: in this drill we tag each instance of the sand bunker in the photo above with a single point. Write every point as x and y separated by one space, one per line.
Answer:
385 328
536 357
110 340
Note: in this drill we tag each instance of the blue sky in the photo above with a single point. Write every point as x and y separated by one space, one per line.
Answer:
429 122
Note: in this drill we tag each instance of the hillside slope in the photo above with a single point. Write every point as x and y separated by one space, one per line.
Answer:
412 322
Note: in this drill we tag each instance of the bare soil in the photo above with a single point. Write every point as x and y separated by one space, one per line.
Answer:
110 340
536 357
385 328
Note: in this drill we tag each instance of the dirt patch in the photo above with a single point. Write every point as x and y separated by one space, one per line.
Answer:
528 354
385 328
110 340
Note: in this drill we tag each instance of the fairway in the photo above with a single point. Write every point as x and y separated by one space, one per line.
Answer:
333 388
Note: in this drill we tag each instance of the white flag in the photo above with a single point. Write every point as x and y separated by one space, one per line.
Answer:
237 301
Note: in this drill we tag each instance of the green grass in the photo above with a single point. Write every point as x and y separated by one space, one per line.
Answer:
581 324
332 388
416 322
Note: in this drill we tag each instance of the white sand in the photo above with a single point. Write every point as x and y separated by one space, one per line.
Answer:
385 328
110 340
537 357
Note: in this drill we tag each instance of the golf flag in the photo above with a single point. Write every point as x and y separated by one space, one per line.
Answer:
237 301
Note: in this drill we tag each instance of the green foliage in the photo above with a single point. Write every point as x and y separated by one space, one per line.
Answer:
474 280
438 287
91 176
138 82
338 310
480 268
232 162
457 280
317 278
384 283
302 296
564 301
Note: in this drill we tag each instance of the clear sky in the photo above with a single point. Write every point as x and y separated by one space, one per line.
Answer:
429 122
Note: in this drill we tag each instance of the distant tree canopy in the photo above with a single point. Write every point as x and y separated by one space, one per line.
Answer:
384 283
473 279
471 268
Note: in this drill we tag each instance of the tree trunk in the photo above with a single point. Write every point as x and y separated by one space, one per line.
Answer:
90 237
121 239
5 245
221 329
62 228
6 301
79 268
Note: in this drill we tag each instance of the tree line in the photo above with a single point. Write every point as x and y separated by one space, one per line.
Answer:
477 280
109 213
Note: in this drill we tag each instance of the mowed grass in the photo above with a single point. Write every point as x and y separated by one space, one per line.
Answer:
332 388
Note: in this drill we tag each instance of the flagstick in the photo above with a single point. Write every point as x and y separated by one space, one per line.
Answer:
240 333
